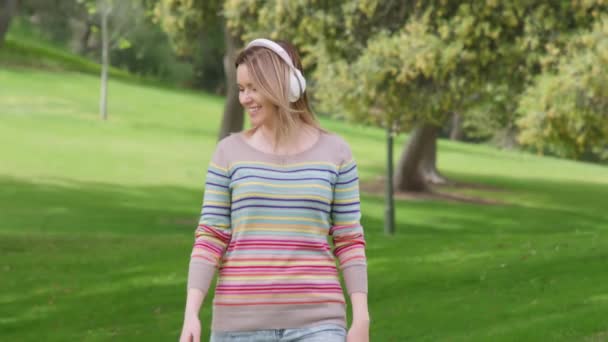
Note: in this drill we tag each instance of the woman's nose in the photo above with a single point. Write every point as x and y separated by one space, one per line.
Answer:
246 97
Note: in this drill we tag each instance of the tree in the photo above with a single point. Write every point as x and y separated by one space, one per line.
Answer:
116 19
359 55
413 62
407 64
186 22
56 19
7 9
565 112
410 88
104 8
76 24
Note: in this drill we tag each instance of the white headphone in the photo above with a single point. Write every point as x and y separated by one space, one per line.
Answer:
297 82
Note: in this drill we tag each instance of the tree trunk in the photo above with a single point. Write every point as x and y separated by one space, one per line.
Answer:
83 47
233 118
428 164
105 61
409 176
456 132
7 9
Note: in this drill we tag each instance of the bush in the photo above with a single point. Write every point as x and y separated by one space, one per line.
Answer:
565 113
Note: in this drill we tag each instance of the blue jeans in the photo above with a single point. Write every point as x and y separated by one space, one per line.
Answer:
318 333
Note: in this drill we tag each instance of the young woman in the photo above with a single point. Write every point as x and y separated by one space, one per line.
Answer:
273 196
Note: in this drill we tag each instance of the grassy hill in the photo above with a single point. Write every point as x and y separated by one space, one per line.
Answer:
97 222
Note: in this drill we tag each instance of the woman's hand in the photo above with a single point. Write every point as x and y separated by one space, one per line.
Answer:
359 331
191 332
359 328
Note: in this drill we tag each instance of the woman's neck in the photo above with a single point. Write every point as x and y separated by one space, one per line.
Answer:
263 138
267 134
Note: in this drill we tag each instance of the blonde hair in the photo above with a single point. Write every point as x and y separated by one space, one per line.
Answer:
270 74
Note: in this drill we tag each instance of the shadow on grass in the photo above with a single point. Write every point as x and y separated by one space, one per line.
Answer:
88 207
98 261
464 272
94 261
93 287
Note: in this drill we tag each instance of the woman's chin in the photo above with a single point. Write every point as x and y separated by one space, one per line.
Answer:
255 122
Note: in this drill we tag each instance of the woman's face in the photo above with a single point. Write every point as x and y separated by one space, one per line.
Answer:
257 105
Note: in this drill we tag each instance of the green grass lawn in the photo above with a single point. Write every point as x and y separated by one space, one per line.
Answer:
97 221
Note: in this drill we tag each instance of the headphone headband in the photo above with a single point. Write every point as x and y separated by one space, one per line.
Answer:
269 44
297 82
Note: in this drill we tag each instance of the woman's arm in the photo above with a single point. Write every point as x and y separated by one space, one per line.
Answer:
194 300
359 304
212 236
349 243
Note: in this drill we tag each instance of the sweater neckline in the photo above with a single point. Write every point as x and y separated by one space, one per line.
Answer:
280 157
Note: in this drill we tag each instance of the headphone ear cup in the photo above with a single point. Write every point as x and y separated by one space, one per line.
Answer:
297 85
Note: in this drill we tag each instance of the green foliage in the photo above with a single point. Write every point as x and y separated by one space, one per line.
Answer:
482 41
139 46
403 76
150 54
207 60
186 21
566 113
53 17
340 28
24 48
491 115
380 61
148 51
195 32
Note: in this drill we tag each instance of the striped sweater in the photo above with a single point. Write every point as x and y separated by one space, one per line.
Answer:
274 227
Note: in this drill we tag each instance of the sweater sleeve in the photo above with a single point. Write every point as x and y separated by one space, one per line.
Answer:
346 230
213 232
